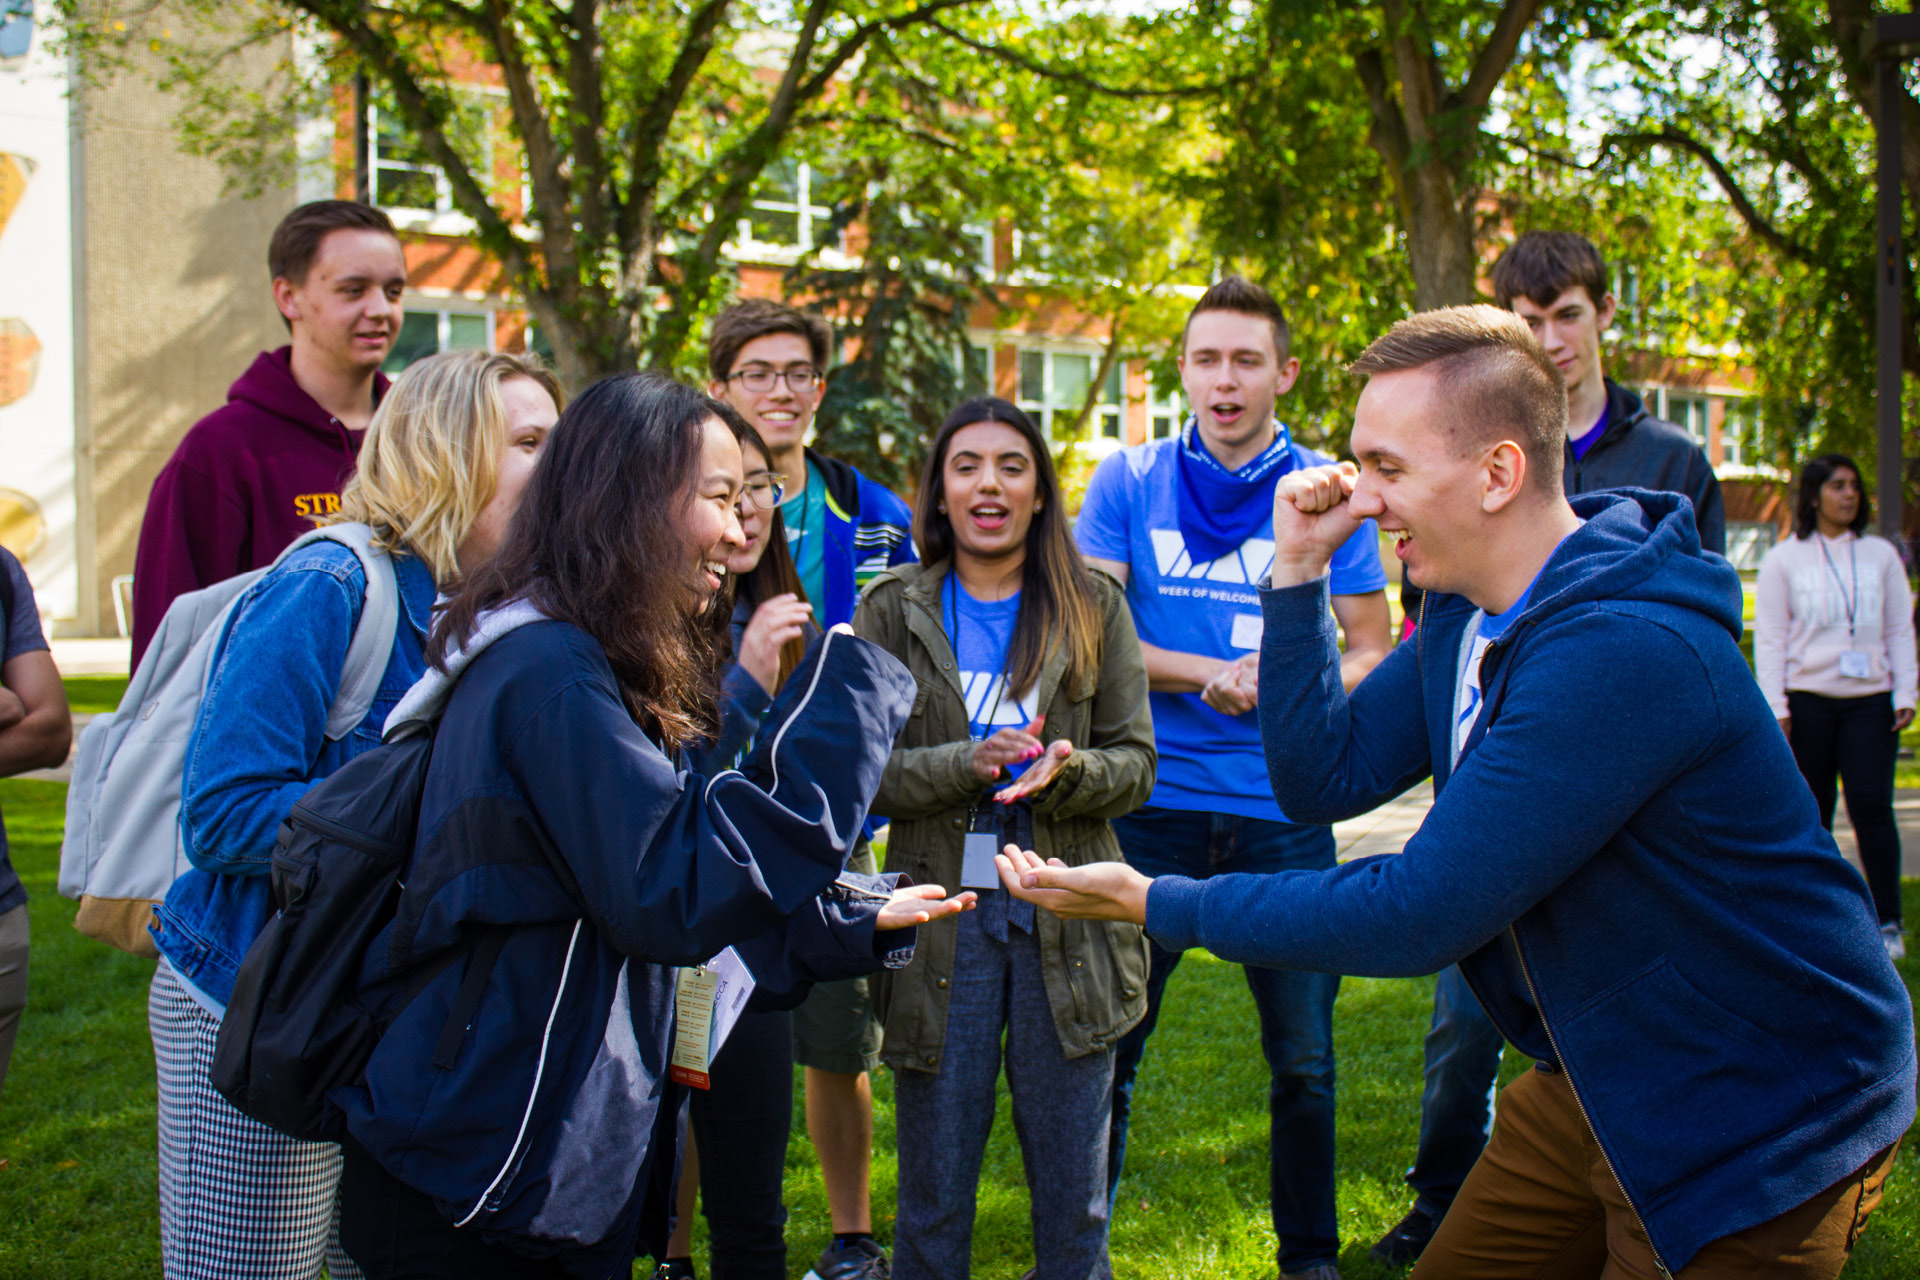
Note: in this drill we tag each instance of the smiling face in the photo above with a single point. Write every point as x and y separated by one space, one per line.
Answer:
530 416
1414 482
1233 375
780 414
1570 328
991 490
709 523
347 311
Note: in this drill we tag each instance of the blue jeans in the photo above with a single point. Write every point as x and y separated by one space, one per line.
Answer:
1295 1008
942 1120
1456 1104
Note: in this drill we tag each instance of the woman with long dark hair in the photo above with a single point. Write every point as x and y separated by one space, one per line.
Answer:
1833 648
534 1135
1031 725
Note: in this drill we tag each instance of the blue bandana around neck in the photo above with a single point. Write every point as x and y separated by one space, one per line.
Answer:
1221 509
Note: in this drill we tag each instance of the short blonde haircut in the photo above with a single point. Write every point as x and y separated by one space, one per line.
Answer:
431 456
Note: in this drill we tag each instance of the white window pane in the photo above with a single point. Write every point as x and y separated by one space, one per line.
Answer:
1072 375
1033 376
467 332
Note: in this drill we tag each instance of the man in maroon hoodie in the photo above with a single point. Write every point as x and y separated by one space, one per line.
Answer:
256 473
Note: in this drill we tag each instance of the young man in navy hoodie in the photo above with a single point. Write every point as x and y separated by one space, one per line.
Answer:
252 476
1617 857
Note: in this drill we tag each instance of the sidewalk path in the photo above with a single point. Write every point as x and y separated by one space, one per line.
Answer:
91 657
1387 829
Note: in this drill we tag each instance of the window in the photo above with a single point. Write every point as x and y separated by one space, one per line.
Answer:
427 333
1738 432
783 213
401 175
1166 410
1748 542
1690 412
975 364
1053 387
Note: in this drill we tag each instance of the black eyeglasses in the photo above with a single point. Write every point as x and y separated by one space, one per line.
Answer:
800 381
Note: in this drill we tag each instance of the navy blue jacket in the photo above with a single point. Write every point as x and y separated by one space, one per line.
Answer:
552 1132
1626 865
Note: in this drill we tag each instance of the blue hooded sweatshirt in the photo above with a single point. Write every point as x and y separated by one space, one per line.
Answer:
1626 865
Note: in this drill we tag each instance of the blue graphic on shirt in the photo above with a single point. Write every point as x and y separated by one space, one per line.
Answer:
982 635
1209 761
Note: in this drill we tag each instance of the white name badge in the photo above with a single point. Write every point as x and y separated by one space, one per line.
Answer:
707 1002
1247 630
1856 664
977 869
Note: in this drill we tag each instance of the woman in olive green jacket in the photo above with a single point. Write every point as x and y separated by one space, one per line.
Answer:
1011 637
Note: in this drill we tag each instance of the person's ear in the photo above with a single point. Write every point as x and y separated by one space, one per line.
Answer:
717 390
1289 374
1503 476
286 296
1604 312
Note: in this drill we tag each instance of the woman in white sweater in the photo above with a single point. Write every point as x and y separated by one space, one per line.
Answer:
1834 652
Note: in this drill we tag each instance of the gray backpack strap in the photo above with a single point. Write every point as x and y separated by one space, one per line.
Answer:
372 645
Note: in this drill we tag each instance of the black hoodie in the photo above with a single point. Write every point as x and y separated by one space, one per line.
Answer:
1639 451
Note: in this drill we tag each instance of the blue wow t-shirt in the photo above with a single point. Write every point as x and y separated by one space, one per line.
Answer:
982 635
1209 761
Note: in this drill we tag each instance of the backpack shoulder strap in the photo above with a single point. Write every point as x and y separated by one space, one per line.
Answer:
372 643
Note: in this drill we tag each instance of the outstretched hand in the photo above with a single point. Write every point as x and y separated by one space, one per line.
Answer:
1039 775
1311 520
918 903
1096 891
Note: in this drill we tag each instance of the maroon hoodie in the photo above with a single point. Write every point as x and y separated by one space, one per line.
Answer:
249 478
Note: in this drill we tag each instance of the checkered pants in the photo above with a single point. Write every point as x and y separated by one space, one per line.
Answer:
238 1201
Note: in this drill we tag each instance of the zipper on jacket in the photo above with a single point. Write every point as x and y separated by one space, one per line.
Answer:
1527 975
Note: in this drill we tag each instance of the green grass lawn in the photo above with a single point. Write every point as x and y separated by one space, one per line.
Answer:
77 1136
94 695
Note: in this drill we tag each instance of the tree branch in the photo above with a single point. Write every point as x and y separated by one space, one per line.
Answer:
591 182
1033 66
650 131
542 152
1491 63
845 50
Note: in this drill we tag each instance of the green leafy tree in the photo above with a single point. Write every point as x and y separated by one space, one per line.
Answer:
640 130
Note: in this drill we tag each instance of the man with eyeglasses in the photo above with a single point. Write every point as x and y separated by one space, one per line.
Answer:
768 361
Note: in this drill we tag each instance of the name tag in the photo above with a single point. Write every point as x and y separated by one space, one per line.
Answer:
977 869
708 1000
1856 664
1247 630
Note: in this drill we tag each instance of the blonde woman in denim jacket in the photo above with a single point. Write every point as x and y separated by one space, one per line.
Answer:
1031 725
438 476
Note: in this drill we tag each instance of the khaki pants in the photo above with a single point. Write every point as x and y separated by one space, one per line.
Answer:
13 981
1541 1203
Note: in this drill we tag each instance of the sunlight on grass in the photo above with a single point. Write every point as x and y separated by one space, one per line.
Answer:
76 1122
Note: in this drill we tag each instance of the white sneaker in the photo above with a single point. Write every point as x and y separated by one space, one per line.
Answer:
1895 938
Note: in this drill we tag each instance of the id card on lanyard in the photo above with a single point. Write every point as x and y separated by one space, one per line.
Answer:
1855 663
708 999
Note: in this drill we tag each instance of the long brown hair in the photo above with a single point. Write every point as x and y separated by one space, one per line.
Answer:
1058 604
597 542
776 574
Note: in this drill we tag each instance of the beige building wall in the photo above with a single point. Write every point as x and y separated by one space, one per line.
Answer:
172 283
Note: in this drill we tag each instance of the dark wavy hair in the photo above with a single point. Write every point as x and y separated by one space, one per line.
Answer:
597 542
1057 601
1813 478
776 574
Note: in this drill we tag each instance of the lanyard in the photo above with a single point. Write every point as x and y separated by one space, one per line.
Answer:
1853 564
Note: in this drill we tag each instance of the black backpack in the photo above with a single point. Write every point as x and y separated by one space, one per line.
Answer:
298 1025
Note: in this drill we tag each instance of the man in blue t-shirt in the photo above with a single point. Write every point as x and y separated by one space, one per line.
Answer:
1187 525
35 732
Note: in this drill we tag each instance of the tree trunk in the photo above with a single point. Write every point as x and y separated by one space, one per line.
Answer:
1439 239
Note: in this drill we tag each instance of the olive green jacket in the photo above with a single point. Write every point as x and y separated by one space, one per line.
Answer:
1096 973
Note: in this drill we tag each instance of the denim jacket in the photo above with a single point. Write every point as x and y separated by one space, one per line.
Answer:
260 743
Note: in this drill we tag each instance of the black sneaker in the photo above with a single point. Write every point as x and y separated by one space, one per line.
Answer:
676 1269
861 1260
1406 1242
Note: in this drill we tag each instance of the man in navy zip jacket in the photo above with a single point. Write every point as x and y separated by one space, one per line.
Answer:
1617 857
